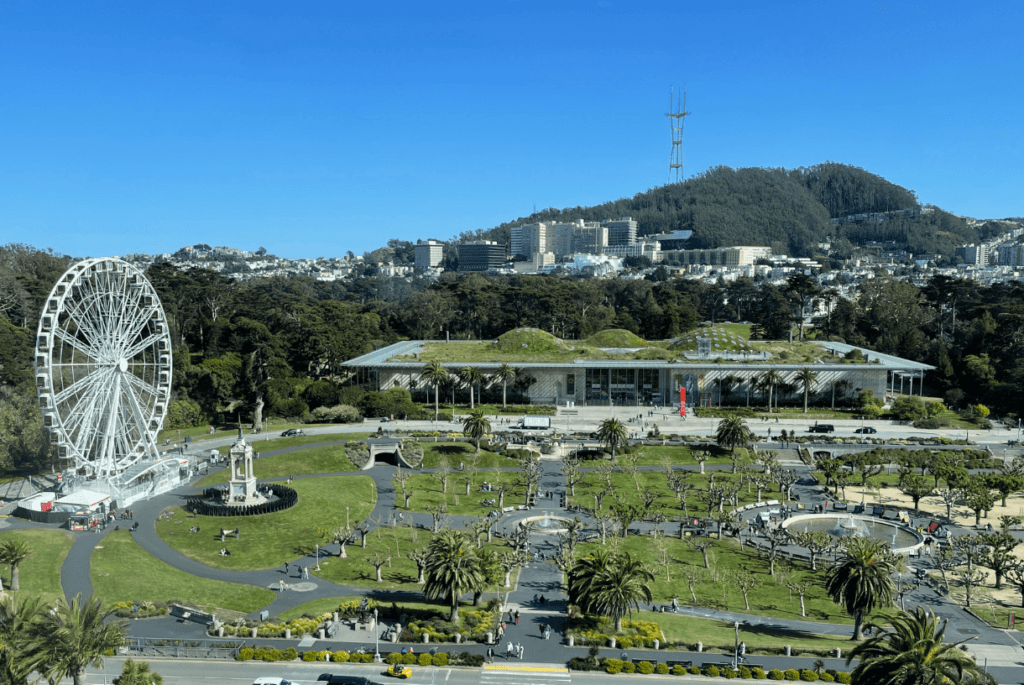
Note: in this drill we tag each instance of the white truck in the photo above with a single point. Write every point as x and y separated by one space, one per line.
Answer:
534 423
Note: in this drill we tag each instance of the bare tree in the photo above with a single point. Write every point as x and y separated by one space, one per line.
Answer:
949 497
400 481
801 589
700 456
443 473
776 539
377 560
746 582
817 543
970 579
786 478
341 536
661 546
573 474
440 516
419 556
694 575
702 545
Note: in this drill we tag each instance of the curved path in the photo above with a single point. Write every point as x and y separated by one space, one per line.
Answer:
538 578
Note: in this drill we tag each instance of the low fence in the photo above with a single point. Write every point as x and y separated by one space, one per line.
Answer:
186 649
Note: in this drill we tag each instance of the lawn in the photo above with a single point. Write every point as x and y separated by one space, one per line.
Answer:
400 574
461 452
324 459
39 574
676 454
427 492
667 505
270 540
124 572
718 589
720 636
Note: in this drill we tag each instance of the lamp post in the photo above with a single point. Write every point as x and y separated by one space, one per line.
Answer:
376 637
736 653
318 556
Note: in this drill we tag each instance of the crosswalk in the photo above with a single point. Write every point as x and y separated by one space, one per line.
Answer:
524 674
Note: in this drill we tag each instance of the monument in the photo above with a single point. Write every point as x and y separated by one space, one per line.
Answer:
242 486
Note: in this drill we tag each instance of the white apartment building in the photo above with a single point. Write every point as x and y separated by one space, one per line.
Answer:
428 254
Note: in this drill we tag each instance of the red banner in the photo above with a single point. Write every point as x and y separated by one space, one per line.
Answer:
682 401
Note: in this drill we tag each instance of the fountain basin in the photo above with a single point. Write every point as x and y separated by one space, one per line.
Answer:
547 524
901 539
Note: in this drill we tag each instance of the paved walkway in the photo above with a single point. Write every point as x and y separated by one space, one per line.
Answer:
539 578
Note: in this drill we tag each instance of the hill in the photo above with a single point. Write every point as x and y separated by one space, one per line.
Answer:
787 210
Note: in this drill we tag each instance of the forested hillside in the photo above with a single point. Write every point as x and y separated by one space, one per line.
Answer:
787 210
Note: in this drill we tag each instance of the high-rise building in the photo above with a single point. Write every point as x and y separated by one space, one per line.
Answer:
482 255
428 254
529 239
621 232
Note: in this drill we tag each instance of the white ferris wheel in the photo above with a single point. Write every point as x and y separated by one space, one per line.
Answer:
103 367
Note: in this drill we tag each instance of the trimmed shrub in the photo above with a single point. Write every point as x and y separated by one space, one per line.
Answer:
792 674
826 677
612 665
409 658
775 674
425 660
582 663
711 671
728 672
340 657
693 670
678 670
757 673
628 667
441 659
843 677
244 654
645 667
808 676
744 672
661 669
393 658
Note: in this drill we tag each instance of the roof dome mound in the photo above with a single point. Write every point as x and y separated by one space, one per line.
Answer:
616 337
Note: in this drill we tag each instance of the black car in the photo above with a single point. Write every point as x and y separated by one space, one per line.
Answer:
867 430
822 428
292 432
345 679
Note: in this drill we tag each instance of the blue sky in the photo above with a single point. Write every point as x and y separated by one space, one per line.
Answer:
315 128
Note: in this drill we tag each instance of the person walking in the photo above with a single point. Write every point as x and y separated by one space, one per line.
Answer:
286 568
520 651
517 617
305 572
508 651
490 655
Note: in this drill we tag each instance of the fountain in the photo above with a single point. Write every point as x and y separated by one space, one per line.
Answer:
902 539
547 524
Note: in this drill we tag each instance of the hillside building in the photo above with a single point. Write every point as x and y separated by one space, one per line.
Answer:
721 256
482 255
429 254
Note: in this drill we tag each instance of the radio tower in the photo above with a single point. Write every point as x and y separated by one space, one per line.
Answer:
675 120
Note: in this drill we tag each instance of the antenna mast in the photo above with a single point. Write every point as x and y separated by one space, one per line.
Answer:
675 120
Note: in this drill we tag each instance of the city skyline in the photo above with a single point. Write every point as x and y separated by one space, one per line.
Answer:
316 131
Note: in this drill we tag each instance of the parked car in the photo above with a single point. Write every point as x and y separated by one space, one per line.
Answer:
385 420
867 430
344 679
822 428
270 680
292 432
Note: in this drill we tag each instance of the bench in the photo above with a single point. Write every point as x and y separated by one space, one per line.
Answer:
839 506
684 664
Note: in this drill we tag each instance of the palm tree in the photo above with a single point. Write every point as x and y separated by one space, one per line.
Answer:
505 374
19 655
13 552
435 374
732 431
612 433
470 375
476 426
912 651
862 580
78 635
453 568
806 377
138 673
610 585
767 381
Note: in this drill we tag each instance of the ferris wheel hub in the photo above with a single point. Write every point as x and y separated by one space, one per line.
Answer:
122 365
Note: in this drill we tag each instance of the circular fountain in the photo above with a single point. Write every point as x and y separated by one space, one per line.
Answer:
902 539
546 524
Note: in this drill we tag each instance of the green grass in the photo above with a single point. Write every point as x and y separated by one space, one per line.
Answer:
124 572
269 540
426 492
770 598
719 636
400 575
330 459
462 452
677 454
625 488
39 574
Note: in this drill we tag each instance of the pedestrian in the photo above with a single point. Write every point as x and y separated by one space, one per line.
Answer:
285 565
503 626
490 655
542 629
517 617
305 572
520 652
508 651
131 513
501 632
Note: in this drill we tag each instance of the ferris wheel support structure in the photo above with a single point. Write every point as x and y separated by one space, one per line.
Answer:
103 369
